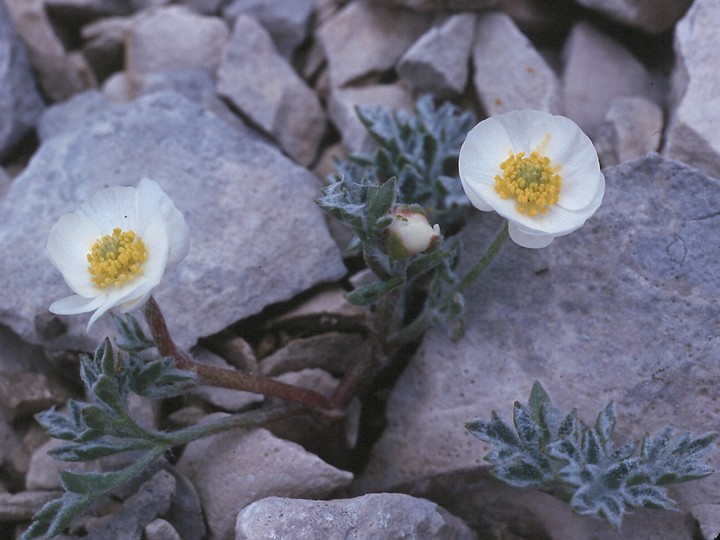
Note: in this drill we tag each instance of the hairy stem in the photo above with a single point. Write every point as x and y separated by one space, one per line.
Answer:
227 378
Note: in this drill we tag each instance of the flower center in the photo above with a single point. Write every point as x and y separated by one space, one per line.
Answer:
530 180
116 258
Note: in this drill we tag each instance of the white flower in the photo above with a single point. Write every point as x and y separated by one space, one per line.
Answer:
537 170
410 232
114 250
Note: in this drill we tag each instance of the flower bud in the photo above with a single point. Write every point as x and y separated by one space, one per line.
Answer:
410 232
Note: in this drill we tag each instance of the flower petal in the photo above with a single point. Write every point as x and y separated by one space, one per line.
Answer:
153 202
112 207
74 304
528 240
68 244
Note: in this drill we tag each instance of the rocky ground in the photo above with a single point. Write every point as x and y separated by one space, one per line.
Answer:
236 108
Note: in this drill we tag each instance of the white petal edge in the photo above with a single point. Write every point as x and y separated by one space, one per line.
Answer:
72 305
112 207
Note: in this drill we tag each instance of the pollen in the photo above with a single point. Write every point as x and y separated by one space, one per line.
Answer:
116 258
531 180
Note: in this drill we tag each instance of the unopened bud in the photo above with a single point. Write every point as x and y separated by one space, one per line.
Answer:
410 232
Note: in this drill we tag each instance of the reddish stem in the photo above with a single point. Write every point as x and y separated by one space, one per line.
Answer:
227 378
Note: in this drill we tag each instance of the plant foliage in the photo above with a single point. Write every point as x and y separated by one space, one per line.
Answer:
559 454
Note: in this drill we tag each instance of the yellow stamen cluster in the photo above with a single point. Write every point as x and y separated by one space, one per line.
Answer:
116 258
530 180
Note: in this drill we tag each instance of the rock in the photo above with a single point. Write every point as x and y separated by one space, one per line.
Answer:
43 470
231 272
364 38
437 63
442 5
25 393
60 74
332 352
22 506
692 135
509 73
632 128
541 20
265 88
653 16
60 117
496 510
287 22
245 466
372 517
5 181
185 512
152 500
174 38
341 110
20 103
159 529
223 398
621 310
326 311
598 69
17 356
708 516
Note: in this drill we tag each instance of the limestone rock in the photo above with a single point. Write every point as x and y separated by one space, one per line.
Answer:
509 72
87 9
4 181
25 393
364 38
693 134
341 109
60 74
159 529
437 63
377 516
245 466
20 103
287 22
104 44
224 182
653 16
174 38
632 128
265 88
623 309
22 506
60 117
598 69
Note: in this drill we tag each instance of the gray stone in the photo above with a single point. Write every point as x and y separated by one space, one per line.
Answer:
236 468
152 500
365 38
287 22
539 19
5 181
442 5
510 73
693 134
224 182
332 352
60 74
160 529
496 510
266 89
598 69
20 103
708 516
25 393
623 309
437 63
632 128
185 512
224 398
17 355
60 117
377 516
22 506
654 16
174 38
341 110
